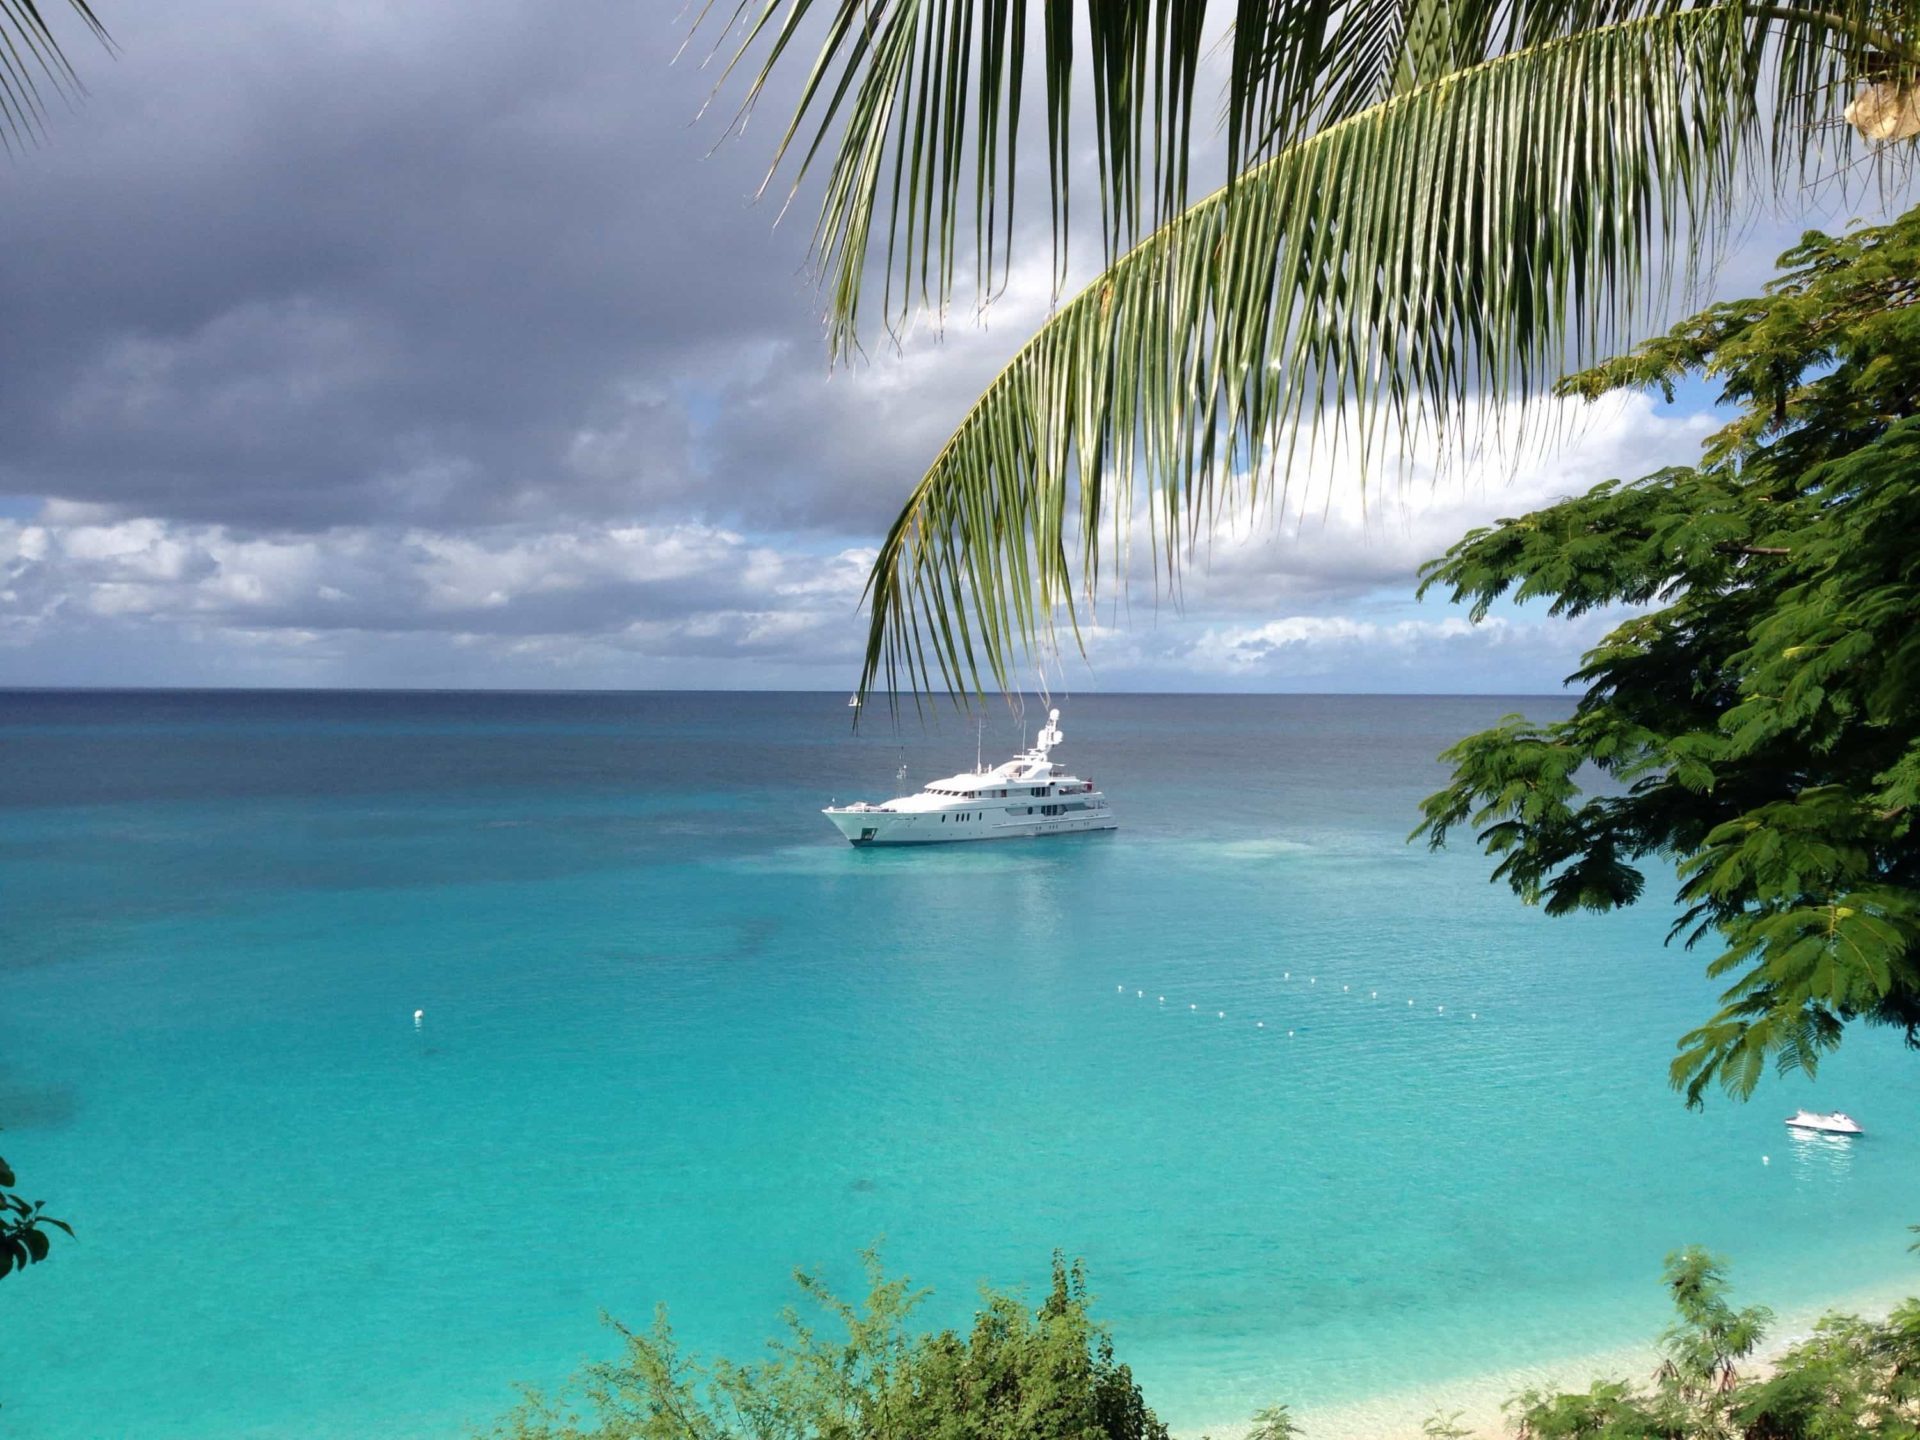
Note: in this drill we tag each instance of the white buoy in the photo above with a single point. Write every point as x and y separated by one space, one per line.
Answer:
1313 980
1473 1015
1119 987
1193 1007
1289 1034
1409 1002
1376 994
1163 999
1766 1160
1223 1014
1286 974
1259 1024
1441 1009
418 1016
1139 994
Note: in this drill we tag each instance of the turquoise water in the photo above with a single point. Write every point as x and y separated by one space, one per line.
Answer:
679 1038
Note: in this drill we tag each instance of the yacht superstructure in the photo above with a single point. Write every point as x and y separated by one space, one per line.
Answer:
1028 795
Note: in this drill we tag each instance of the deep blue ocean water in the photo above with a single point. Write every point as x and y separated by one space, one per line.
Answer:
679 1038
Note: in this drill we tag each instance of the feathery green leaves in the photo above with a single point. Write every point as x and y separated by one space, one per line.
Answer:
1760 724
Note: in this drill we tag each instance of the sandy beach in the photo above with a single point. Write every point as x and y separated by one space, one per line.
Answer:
1476 1400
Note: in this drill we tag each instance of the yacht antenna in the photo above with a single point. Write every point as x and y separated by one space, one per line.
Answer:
1050 736
979 742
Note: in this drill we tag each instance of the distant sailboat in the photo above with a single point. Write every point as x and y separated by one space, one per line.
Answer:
853 702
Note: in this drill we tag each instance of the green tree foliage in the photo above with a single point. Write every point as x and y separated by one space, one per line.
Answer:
24 1229
1018 1374
1696 1388
1853 1379
1703 1346
1276 1422
1756 719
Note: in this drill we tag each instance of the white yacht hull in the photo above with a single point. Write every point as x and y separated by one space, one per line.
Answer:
1807 1123
882 828
1027 796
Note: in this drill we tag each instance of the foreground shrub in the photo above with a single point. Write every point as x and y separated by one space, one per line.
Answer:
1017 1374
1853 1379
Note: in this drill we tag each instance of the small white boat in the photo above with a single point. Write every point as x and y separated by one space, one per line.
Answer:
1836 1123
853 702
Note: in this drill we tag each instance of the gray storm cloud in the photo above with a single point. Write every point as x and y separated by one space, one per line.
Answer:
355 342
305 266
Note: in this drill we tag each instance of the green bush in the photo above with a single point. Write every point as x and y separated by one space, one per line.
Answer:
1853 1379
1017 1374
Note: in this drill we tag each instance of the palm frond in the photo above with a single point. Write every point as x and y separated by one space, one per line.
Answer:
32 63
1462 239
915 107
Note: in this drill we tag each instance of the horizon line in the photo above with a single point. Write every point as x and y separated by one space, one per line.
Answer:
874 698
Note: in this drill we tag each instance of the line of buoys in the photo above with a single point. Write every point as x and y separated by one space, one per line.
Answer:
1194 1006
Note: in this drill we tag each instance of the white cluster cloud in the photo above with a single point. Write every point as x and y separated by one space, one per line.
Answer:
695 591
1323 600
1345 531
1244 649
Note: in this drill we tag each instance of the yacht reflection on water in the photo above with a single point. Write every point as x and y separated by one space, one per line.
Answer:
1819 1156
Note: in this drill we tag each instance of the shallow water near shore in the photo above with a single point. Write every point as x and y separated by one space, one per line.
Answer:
679 1038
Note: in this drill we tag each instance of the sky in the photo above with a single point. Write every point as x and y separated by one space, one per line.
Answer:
446 345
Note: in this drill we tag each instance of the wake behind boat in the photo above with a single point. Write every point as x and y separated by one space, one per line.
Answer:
1833 1123
1028 795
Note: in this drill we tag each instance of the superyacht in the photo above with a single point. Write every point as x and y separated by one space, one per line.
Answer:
1028 795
